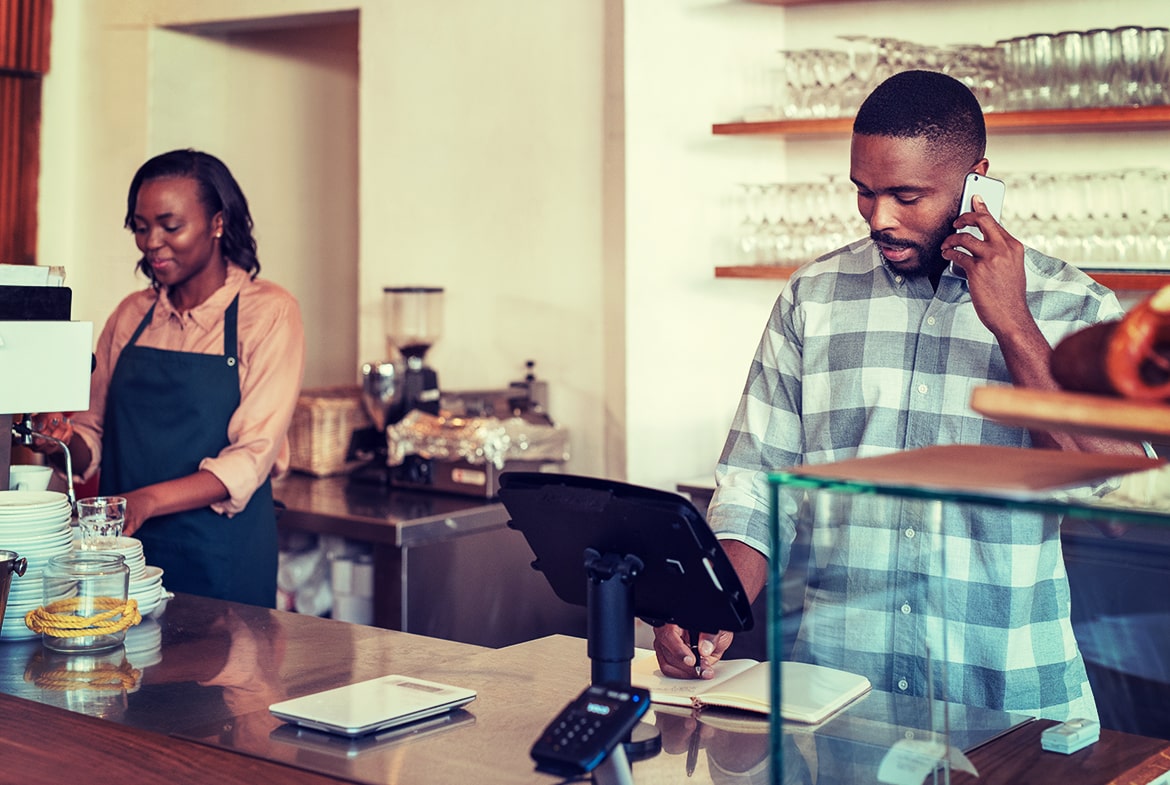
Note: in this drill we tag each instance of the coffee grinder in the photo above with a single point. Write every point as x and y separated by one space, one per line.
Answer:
412 321
412 317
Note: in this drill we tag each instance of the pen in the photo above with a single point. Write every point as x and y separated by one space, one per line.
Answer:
693 749
694 635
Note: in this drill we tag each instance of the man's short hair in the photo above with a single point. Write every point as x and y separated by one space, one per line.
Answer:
927 105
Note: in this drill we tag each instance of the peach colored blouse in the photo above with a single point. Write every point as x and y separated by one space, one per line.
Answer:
271 339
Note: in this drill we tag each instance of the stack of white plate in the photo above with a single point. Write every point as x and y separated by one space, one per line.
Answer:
147 589
130 549
145 581
144 644
34 524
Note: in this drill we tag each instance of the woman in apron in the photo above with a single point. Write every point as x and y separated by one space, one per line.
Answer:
194 387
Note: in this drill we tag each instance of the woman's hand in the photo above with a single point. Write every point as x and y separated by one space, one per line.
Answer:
55 425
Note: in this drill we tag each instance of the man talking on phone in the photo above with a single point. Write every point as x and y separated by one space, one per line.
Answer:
875 348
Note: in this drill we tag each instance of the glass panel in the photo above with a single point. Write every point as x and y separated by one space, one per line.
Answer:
927 591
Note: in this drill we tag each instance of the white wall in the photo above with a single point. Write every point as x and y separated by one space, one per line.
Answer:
564 186
280 107
479 136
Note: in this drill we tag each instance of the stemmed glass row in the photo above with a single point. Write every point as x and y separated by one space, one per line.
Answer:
1112 219
792 223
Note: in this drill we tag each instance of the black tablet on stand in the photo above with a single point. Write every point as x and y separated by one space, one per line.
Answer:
624 551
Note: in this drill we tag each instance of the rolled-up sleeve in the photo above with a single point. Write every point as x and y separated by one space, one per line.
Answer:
272 364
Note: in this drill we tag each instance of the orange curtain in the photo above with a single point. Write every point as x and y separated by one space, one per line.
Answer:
24 59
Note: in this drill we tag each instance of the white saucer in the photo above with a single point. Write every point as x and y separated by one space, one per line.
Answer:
20 502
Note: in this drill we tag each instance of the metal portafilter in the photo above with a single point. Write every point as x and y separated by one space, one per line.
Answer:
381 391
24 430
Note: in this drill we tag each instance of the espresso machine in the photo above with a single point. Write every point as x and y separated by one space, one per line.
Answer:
425 438
46 358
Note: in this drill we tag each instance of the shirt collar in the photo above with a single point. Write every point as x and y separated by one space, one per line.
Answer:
207 313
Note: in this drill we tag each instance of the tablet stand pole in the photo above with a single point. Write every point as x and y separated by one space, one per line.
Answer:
610 629
610 635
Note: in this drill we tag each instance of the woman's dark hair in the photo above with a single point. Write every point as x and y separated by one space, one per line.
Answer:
218 192
926 105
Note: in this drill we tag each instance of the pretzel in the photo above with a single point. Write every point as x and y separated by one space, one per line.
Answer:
1137 355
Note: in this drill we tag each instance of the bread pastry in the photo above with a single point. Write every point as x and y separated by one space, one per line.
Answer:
1129 357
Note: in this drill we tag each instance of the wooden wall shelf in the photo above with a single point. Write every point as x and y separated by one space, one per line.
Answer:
1131 118
1118 281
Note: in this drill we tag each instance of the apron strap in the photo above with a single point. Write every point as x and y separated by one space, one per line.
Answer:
231 346
142 325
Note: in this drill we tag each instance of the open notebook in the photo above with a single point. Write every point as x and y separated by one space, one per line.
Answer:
809 693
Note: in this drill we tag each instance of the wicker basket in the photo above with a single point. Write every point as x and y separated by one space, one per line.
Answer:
322 425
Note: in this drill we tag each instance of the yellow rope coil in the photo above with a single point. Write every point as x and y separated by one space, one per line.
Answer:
60 620
111 678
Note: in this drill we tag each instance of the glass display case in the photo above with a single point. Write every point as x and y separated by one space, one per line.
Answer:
940 574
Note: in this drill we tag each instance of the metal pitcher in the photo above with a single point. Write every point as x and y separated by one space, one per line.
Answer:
10 563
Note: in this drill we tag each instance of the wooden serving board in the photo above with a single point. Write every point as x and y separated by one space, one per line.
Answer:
1099 415
1011 472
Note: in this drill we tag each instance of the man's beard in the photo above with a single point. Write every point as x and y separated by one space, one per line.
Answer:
929 254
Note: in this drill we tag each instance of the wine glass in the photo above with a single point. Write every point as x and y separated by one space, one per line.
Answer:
862 54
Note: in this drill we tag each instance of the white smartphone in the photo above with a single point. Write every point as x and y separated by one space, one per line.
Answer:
990 189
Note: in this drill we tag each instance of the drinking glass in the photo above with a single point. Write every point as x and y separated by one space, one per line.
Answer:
796 85
748 232
979 68
101 519
862 56
1012 72
1099 50
779 237
1156 84
1126 68
1068 69
1042 69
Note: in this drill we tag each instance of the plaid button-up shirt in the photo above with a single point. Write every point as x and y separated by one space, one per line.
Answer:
857 360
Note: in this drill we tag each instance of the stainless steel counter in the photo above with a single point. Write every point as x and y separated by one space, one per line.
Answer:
377 514
445 566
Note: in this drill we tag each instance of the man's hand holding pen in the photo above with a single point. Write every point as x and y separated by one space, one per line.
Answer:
689 655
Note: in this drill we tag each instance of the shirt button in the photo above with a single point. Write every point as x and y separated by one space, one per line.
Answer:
910 534
930 320
906 607
898 278
922 388
903 685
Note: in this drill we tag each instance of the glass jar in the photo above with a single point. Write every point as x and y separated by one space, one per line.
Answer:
81 587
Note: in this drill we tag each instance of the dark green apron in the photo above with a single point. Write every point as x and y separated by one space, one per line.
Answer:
165 412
